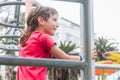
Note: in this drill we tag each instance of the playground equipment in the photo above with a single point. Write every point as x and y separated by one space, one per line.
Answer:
87 65
105 71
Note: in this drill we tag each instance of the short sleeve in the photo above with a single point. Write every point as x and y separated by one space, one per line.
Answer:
47 41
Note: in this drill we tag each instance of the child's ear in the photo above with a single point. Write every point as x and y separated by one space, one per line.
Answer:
40 20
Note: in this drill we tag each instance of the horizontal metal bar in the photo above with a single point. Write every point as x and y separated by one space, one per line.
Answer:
36 4
107 66
56 63
18 3
9 36
77 1
43 62
11 25
12 3
9 47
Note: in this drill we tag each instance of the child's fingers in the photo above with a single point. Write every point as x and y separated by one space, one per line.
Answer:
94 53
94 56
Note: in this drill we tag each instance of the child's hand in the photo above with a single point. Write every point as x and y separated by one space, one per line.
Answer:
94 53
29 2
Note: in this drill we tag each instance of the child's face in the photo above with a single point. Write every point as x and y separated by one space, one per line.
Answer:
51 25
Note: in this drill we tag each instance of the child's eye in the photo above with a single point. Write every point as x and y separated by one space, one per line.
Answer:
55 19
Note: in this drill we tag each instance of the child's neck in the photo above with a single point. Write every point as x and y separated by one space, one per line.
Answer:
39 30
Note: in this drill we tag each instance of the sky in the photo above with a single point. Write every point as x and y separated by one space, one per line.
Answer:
106 15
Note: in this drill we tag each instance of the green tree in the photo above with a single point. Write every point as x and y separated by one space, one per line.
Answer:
65 74
68 47
103 45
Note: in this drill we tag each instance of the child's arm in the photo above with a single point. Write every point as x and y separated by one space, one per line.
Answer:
28 7
60 54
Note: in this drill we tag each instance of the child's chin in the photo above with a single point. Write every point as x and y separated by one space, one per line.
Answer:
52 34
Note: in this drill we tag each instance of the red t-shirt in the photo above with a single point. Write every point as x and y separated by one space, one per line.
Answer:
37 46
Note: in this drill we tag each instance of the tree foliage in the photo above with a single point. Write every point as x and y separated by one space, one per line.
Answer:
68 46
104 45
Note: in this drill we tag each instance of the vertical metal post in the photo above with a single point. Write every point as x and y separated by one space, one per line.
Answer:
53 73
81 35
87 38
17 13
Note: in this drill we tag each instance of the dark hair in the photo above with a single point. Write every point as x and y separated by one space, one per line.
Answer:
32 22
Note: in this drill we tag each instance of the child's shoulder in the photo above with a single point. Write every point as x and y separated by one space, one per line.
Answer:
40 34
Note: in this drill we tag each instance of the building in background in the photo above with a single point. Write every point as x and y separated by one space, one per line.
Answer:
68 31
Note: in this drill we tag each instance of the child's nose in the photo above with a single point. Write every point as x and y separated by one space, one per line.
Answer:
57 26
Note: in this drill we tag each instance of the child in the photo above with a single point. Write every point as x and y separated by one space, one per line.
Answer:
36 42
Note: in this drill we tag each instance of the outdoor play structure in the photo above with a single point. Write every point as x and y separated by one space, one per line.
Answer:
86 66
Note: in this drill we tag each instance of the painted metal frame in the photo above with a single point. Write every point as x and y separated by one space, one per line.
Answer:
87 38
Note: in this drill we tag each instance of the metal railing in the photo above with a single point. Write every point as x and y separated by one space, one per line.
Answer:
87 65
109 72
